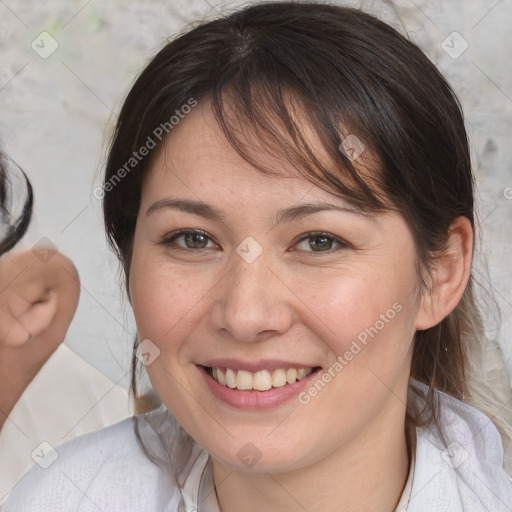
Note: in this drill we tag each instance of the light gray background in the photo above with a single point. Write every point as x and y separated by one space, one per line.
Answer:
57 113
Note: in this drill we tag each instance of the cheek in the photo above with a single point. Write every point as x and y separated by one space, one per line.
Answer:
160 299
366 316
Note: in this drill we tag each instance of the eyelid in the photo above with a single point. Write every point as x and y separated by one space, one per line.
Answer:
170 237
343 244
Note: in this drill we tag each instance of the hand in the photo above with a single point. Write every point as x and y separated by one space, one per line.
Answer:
35 297
37 302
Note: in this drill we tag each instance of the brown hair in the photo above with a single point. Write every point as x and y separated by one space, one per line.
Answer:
348 74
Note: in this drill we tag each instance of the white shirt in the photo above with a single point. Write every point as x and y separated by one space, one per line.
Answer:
199 490
108 471
67 398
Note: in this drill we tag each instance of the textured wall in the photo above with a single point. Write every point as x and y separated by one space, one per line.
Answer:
57 110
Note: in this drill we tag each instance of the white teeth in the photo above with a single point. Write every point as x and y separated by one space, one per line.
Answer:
220 377
230 378
291 375
279 378
262 380
243 380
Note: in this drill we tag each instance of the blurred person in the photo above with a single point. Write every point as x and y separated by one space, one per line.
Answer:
47 393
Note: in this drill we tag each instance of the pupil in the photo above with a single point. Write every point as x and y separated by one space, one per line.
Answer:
323 244
195 240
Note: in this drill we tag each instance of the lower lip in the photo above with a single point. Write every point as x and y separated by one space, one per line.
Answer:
255 400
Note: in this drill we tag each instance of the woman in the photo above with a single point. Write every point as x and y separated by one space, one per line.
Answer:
290 194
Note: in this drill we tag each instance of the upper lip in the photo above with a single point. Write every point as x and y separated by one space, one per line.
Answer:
255 366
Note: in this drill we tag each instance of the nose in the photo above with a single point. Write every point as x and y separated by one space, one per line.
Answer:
251 302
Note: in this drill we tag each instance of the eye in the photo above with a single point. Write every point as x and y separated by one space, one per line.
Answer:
191 239
321 242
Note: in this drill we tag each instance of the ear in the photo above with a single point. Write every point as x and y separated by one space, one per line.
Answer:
37 305
450 276
25 320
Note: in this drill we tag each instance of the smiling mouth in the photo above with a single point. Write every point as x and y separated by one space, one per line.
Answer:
262 380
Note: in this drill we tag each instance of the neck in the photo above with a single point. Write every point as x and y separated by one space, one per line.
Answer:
367 473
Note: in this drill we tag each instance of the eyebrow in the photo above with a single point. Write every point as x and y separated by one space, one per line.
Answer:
285 215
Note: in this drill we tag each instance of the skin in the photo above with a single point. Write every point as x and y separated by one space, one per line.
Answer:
38 298
290 304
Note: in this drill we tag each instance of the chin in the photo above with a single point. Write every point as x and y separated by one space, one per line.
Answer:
254 457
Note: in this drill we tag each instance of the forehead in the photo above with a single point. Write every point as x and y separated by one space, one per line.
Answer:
197 156
197 171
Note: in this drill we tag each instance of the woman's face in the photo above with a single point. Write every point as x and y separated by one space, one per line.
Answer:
268 280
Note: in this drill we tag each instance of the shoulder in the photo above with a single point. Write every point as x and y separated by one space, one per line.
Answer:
105 470
459 466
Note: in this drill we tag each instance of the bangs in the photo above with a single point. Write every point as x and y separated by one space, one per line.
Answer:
267 118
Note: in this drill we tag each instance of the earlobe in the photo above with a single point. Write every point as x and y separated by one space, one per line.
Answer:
12 332
449 277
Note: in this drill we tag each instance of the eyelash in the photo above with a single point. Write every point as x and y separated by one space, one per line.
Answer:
172 237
